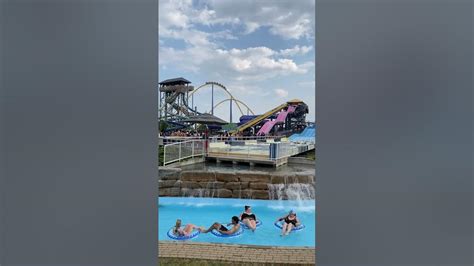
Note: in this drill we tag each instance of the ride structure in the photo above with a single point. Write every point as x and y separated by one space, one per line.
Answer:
173 99
176 107
176 103
285 118
231 99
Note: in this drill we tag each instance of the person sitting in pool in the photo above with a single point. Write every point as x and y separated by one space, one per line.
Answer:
248 218
290 221
178 231
224 230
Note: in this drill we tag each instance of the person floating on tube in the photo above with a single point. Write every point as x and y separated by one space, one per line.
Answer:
186 231
290 221
248 218
224 230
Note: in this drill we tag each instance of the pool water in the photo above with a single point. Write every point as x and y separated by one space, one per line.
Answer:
206 211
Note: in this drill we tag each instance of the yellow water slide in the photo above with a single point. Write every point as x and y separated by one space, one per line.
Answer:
260 118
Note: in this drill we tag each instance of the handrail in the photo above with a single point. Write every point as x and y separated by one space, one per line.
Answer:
181 142
201 151
269 151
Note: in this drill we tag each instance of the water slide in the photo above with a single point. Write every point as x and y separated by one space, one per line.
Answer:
185 109
267 127
308 135
268 114
260 118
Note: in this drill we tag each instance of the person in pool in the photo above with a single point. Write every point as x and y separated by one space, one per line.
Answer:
186 231
248 218
290 221
224 230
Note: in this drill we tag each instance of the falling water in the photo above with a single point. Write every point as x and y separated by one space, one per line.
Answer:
209 191
295 191
200 192
184 192
240 190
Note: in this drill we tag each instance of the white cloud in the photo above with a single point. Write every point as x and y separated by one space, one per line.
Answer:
224 34
296 50
288 19
299 28
173 14
250 64
308 84
251 27
281 93
241 64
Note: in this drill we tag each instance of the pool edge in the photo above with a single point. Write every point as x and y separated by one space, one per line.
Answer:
237 252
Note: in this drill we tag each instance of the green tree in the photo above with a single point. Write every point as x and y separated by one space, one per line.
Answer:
201 128
162 126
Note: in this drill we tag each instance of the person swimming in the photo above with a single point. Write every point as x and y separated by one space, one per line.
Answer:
224 230
290 221
178 231
248 218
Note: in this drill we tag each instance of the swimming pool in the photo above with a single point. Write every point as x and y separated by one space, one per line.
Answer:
205 211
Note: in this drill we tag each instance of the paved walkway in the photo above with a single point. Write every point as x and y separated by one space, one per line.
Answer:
236 253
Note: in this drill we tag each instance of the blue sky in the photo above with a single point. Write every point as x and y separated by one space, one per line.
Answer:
262 51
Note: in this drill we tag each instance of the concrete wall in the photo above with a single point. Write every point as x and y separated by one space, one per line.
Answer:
241 184
301 160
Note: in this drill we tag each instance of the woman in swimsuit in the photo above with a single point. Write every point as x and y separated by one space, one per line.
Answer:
224 230
290 221
178 231
248 218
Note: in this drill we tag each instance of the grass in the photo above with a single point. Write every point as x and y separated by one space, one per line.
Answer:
310 155
200 262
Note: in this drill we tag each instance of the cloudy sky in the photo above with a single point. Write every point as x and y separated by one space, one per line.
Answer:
262 51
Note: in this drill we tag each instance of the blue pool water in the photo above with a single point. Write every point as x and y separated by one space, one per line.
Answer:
206 211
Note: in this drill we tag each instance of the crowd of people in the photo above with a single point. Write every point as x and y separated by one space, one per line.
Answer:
184 133
247 218
197 134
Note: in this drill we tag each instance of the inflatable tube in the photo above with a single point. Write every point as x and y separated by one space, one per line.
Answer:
219 234
279 225
246 227
193 234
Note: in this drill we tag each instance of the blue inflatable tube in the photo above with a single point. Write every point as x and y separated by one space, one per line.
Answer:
246 227
219 234
193 234
279 224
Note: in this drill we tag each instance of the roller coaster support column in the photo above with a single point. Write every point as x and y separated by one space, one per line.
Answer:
212 99
230 118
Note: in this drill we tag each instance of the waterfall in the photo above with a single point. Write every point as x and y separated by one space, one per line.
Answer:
209 191
184 192
294 191
240 190
200 192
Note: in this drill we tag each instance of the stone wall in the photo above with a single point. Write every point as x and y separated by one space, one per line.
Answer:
241 184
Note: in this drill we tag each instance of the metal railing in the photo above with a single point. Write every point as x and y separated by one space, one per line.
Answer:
282 150
236 150
266 151
242 138
174 139
178 151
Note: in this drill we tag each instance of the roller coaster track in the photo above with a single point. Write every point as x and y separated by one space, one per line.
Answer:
236 100
219 85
